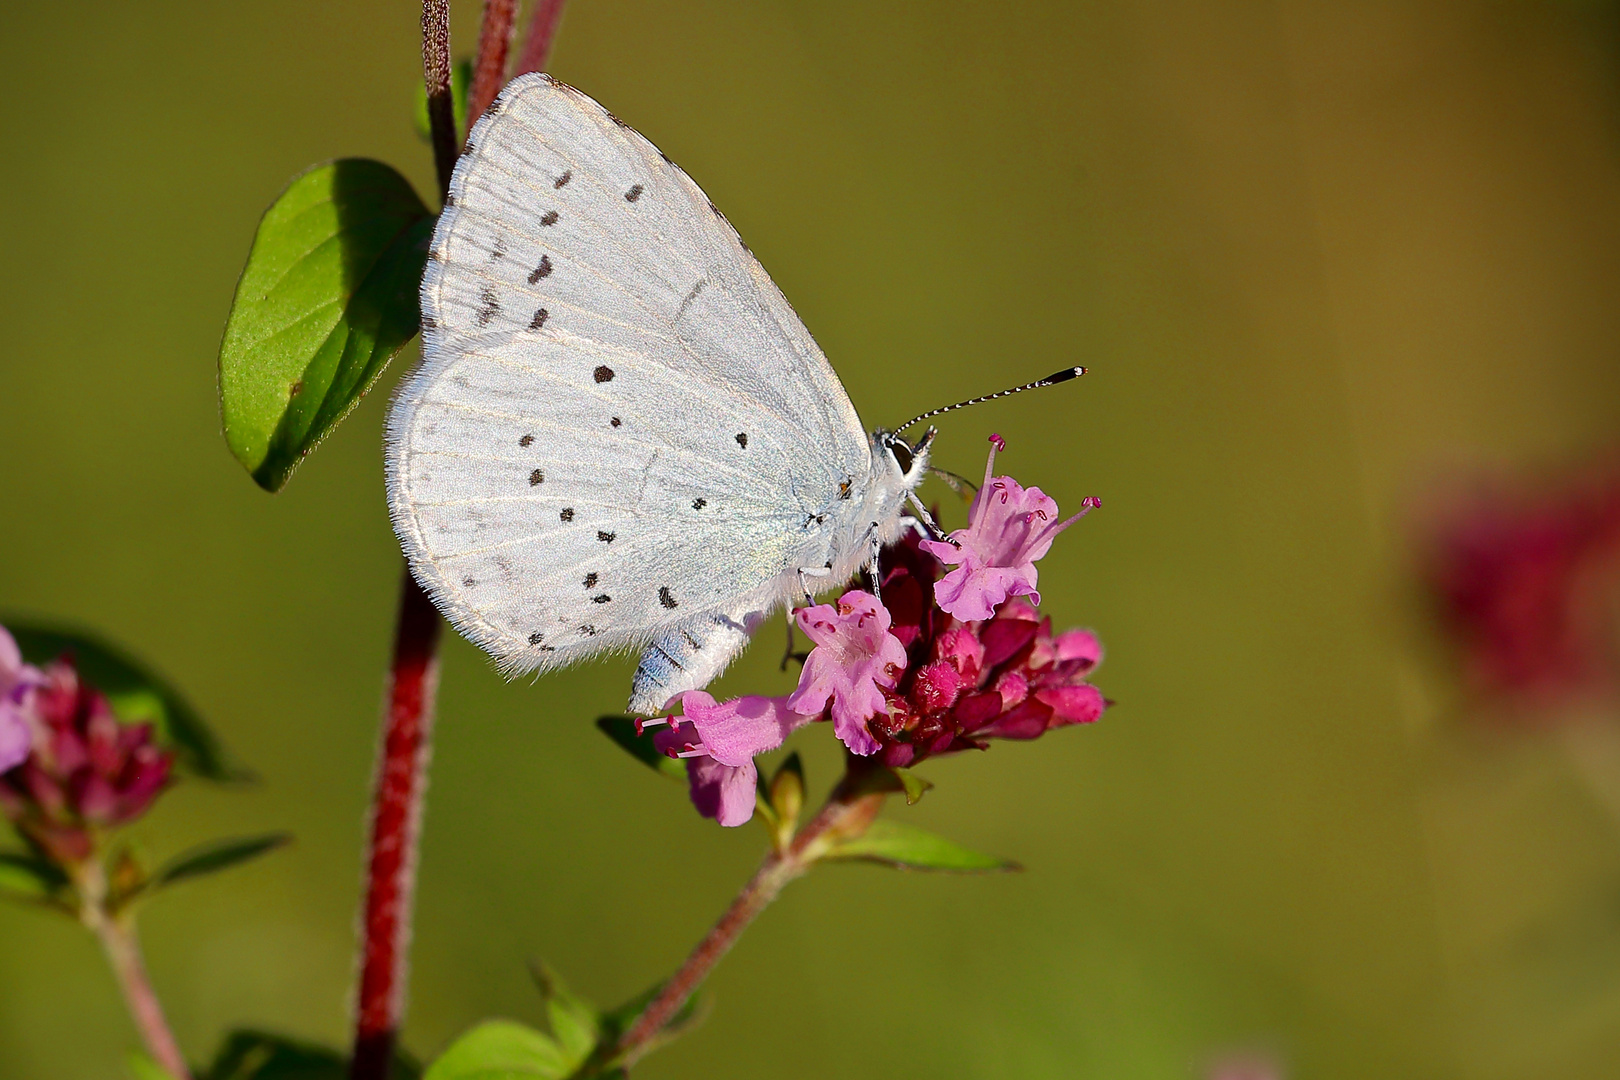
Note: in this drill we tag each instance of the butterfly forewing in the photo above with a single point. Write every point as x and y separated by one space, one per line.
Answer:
619 423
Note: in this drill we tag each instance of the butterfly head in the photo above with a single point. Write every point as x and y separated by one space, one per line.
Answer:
903 462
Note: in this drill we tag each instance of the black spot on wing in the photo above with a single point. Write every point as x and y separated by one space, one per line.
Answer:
527 440
605 537
601 598
615 421
489 306
536 637
549 218
563 179
543 270
468 582
567 513
590 580
742 439
539 319
603 374
536 478
665 597
634 193
698 504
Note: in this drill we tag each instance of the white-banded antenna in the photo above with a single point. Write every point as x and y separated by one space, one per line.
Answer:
1051 380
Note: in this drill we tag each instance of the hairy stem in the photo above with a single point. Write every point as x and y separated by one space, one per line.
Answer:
843 814
542 33
494 40
117 937
436 77
396 823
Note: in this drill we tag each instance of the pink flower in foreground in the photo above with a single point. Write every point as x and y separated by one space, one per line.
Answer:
719 742
1009 528
86 770
17 683
854 661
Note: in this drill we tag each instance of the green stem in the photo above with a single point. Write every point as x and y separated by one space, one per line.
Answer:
117 936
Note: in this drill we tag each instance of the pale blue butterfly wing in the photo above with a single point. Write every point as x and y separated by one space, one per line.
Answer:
620 433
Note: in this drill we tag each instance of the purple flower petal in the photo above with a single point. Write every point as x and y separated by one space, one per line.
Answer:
1010 528
854 660
735 732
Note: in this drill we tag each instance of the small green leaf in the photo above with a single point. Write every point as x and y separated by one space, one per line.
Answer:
145 1068
217 855
328 297
501 1050
31 879
907 847
575 1025
259 1055
136 693
622 730
460 84
875 779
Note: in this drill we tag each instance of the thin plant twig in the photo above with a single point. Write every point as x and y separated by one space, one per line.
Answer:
541 36
843 814
117 936
494 41
396 823
436 77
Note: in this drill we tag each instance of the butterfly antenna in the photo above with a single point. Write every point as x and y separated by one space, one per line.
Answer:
1051 380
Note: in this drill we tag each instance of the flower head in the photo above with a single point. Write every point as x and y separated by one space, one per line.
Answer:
1009 528
719 742
1007 677
18 682
1524 582
854 660
86 770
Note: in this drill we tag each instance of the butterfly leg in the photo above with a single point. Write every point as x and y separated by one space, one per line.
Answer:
934 532
874 573
788 655
805 574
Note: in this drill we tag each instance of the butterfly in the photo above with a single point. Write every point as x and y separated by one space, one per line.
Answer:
620 435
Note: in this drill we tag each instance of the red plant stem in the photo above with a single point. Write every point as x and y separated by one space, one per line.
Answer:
494 40
542 33
842 815
396 823
436 77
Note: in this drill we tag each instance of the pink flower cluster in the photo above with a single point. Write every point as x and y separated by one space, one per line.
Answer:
82 769
941 664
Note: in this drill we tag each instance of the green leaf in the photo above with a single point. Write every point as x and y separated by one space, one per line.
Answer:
907 847
31 879
575 1025
622 730
501 1050
460 85
875 779
328 297
136 693
259 1055
145 1068
217 855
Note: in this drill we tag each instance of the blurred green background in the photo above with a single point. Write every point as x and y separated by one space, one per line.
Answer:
1316 253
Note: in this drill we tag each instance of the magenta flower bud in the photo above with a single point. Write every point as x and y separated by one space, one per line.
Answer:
85 770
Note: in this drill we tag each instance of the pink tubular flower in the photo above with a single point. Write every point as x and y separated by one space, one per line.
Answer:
85 771
854 661
1009 528
719 742
17 684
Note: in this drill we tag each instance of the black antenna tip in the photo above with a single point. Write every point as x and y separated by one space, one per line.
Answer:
1063 376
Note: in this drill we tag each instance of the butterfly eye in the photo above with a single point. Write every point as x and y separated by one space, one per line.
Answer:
902 455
